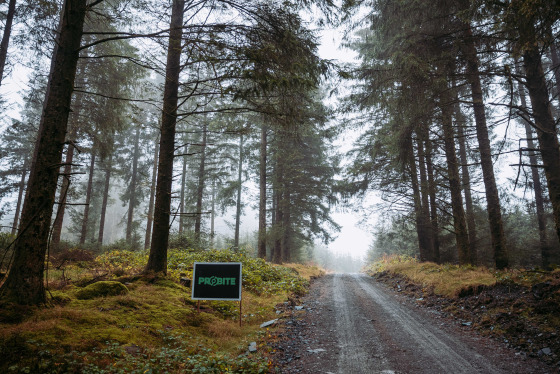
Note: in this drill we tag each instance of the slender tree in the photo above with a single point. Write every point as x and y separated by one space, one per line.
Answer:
6 36
89 191
157 261
24 283
150 217
262 193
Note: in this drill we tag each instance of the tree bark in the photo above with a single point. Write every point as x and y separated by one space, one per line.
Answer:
537 188
433 201
108 167
239 188
492 195
286 225
459 223
133 182
89 190
24 283
20 196
152 197
423 245
262 196
425 206
278 219
6 37
466 184
157 261
544 123
200 187
555 67
213 214
182 194
61 206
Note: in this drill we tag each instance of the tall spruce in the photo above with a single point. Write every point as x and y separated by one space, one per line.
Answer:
24 283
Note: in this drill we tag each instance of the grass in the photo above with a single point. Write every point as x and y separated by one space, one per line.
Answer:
445 280
155 327
451 281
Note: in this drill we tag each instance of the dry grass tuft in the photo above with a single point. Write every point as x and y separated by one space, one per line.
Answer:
306 271
445 280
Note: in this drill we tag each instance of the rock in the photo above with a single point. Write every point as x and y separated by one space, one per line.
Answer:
269 323
102 289
466 323
253 347
132 349
185 281
318 350
546 351
299 307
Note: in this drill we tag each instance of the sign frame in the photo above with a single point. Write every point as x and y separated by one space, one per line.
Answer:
195 283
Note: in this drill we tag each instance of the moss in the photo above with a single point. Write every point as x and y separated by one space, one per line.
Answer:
101 289
60 298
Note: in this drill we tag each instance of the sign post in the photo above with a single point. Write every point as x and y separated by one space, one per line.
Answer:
217 281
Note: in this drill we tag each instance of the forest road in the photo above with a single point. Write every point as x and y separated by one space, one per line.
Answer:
350 324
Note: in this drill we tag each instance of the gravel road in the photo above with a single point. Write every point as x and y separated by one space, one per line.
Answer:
351 324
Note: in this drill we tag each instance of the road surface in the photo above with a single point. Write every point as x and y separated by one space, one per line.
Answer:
351 324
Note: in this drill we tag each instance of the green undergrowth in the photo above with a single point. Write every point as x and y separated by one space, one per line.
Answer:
146 324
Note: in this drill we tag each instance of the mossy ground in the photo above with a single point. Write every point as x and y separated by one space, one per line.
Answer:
155 327
518 307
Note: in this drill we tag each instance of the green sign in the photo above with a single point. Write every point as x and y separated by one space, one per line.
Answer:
216 281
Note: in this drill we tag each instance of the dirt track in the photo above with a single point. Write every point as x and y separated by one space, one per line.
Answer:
351 324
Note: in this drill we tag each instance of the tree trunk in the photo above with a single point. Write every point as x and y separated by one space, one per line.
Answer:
157 261
545 126
423 246
459 223
61 206
6 37
272 230
24 283
132 187
182 194
213 214
20 196
433 201
555 67
537 187
492 195
278 220
89 189
262 196
425 206
286 226
200 187
466 183
239 188
108 167
152 197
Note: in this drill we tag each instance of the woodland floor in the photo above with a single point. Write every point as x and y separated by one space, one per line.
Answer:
356 324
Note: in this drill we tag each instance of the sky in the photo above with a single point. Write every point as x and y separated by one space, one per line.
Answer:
353 238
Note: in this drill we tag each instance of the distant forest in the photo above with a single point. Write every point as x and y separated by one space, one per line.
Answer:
147 120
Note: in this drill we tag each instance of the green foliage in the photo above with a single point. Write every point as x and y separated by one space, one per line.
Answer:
260 277
175 356
101 289
120 262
